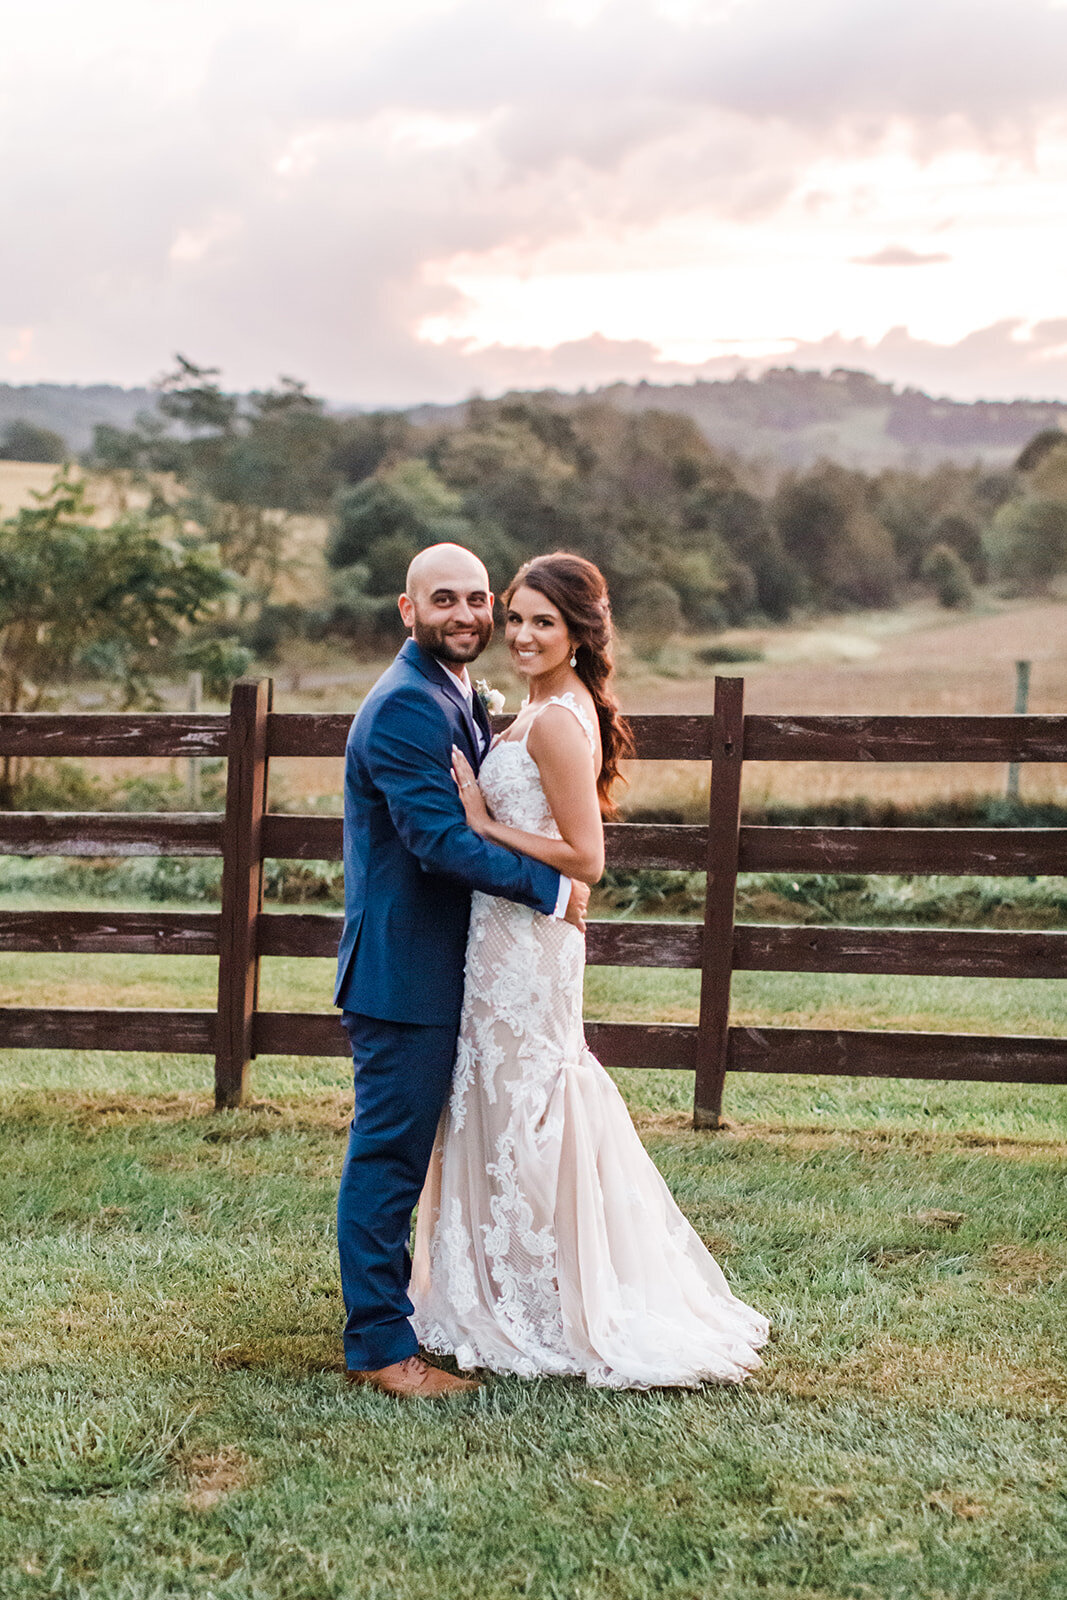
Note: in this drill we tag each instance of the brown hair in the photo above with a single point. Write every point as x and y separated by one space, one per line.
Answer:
578 591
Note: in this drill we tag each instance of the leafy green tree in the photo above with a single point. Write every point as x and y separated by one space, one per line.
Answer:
908 505
949 505
1048 478
145 448
991 490
963 535
1028 543
273 450
245 486
220 660
281 458
251 541
520 474
555 430
765 579
408 502
241 470
653 614
353 613
363 444
26 441
1033 453
237 468
387 563
112 601
274 627
379 525
827 525
947 574
191 396
698 582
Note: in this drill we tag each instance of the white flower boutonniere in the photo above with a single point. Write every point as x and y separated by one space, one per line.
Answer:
493 701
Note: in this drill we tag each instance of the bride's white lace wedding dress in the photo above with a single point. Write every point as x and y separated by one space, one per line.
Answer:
546 1240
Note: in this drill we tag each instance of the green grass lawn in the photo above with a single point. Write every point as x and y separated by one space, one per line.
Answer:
172 1421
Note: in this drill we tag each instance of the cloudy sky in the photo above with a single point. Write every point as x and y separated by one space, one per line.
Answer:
420 199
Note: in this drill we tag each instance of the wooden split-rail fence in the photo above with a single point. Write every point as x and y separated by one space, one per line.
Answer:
240 933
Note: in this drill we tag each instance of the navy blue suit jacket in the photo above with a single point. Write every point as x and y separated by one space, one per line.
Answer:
410 858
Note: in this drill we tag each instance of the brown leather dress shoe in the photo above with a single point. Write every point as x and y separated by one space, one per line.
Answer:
414 1379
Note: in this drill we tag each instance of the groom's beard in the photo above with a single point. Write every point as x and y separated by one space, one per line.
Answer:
445 643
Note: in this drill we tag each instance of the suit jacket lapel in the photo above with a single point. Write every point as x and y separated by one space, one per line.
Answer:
436 673
475 752
485 727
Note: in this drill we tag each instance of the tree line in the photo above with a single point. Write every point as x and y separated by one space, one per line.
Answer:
689 537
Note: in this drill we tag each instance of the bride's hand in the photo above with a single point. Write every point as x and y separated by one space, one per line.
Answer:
469 792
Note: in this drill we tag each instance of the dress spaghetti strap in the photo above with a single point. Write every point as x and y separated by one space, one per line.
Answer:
569 700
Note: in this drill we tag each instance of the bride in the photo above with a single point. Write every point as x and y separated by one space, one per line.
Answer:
546 1240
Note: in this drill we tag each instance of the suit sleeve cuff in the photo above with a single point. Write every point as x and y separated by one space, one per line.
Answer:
563 897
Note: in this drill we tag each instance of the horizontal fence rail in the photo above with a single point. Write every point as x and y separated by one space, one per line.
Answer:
903 952
904 739
669 738
100 833
986 852
73 1028
161 733
676 738
127 933
240 934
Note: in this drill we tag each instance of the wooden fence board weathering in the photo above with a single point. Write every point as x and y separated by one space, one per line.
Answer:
241 934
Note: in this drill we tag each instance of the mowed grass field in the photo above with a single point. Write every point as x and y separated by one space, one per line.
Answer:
174 1423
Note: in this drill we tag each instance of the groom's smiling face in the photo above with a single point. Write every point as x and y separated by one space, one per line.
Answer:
448 604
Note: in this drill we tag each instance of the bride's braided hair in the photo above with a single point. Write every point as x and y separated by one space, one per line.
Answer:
578 591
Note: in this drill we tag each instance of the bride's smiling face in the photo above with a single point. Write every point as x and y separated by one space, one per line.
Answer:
536 634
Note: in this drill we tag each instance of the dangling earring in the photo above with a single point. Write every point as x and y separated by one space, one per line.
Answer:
574 656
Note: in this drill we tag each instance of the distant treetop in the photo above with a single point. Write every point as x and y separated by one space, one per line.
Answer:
27 441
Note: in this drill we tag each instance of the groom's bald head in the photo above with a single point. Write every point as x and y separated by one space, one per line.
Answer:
447 564
447 603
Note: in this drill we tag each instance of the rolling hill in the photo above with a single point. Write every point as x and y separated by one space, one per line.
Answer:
790 418
784 417
72 410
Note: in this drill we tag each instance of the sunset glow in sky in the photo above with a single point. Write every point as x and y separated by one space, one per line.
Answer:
459 194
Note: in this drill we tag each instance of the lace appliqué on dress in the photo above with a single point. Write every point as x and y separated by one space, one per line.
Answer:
546 1241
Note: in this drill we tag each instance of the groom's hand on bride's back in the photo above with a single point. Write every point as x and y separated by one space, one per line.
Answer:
577 905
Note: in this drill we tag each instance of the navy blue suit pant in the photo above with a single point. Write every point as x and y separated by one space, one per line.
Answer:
403 1073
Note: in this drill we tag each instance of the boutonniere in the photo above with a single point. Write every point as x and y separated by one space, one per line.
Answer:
493 701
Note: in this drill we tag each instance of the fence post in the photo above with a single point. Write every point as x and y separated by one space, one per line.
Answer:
196 696
1022 700
724 821
242 886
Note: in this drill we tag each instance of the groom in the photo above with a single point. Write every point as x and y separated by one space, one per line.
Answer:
410 863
